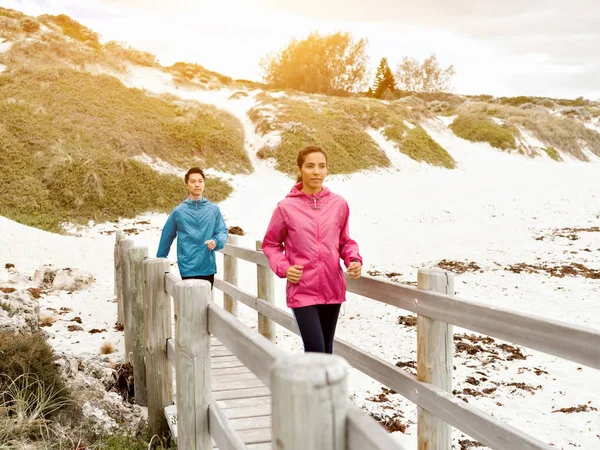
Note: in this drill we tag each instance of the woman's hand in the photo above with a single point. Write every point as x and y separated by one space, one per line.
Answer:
293 273
354 269
211 244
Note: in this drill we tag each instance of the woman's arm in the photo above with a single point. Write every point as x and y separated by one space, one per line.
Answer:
272 244
348 246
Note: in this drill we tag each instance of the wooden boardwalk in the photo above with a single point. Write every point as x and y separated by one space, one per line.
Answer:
244 399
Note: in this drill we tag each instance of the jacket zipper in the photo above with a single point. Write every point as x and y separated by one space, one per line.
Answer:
318 246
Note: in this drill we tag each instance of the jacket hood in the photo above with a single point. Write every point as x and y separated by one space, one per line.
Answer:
296 191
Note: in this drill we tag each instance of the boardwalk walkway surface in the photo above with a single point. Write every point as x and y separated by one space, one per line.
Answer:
244 399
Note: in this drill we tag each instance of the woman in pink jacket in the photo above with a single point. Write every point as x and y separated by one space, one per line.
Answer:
307 236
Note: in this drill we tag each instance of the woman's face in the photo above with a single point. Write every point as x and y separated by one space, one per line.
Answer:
313 171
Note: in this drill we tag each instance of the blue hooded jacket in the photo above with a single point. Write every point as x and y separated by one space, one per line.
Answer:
194 222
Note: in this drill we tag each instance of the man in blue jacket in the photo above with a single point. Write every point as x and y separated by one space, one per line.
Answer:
200 230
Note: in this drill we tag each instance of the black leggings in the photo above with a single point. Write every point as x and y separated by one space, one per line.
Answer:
317 326
210 278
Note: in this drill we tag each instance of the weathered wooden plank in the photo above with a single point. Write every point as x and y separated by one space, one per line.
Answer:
265 282
170 282
126 295
117 265
227 364
230 371
157 320
222 431
575 343
136 257
472 421
248 411
246 254
310 401
263 446
256 436
192 343
258 304
230 274
245 402
250 423
233 377
241 393
256 352
363 435
233 385
435 345
220 350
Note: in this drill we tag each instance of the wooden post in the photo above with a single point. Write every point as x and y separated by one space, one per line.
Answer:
137 255
157 320
126 296
192 341
117 261
435 346
230 274
265 282
310 402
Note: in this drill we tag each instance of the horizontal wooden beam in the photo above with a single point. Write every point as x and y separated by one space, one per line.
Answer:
574 343
253 350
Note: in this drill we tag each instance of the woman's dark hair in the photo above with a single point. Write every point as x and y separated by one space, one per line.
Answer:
194 170
302 154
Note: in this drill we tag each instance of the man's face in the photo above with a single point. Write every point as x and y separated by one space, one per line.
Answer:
195 186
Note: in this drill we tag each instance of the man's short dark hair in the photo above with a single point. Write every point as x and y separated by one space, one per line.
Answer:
194 170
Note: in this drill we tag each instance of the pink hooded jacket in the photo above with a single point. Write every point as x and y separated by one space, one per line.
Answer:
311 231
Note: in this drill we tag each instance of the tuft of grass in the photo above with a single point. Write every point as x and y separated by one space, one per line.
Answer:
72 29
28 364
107 348
67 139
421 147
5 307
28 404
482 129
552 153
563 133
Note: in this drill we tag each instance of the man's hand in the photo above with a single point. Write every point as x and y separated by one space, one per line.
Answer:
354 269
211 244
293 273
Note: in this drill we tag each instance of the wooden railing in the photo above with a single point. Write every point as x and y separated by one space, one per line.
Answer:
310 405
437 310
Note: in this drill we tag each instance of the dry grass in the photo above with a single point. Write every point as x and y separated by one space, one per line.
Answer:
562 133
107 348
338 125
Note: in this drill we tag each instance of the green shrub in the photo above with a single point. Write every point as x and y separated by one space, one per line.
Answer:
552 153
68 138
564 133
421 147
28 365
481 129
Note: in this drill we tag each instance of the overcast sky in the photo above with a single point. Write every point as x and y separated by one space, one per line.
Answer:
508 47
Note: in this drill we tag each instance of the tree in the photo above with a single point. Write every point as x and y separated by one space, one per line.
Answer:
384 80
327 64
427 77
